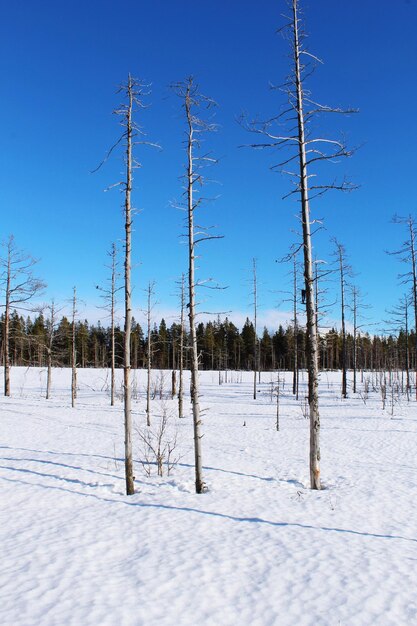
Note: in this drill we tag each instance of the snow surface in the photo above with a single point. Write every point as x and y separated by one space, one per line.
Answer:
259 548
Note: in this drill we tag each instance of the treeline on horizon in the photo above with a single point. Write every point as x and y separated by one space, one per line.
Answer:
221 346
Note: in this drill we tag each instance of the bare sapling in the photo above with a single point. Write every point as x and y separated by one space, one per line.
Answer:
159 445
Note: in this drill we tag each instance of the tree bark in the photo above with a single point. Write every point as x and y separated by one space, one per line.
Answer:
199 483
73 351
255 338
130 488
414 289
312 344
112 315
6 349
149 360
181 356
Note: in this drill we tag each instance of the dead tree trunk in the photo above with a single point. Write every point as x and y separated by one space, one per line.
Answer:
308 150
149 354
6 332
73 350
355 333
411 227
196 234
109 295
112 324
342 269
127 112
295 370
255 338
312 343
20 286
408 254
51 332
195 401
181 354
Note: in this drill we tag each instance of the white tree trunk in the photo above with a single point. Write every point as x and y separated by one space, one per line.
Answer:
312 344
199 483
73 351
130 488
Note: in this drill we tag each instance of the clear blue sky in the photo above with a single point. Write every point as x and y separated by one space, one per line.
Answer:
61 64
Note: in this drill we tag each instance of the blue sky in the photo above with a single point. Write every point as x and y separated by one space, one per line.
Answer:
61 64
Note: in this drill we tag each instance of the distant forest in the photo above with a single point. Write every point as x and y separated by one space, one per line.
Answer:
221 346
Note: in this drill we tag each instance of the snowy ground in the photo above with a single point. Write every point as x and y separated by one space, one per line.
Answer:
259 548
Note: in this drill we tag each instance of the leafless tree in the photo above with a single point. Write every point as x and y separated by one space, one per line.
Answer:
295 326
356 307
343 270
109 295
193 101
135 92
132 91
51 325
150 292
408 255
19 287
399 323
73 349
308 151
255 321
181 350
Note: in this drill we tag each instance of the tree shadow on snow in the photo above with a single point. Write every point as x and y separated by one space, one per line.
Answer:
233 518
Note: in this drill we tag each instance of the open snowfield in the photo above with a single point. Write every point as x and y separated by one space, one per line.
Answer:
258 549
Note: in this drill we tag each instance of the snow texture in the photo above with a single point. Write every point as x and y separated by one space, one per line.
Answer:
258 549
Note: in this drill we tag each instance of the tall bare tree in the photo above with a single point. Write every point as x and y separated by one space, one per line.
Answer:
19 287
73 349
295 325
343 270
255 321
399 324
181 351
126 111
149 292
408 255
307 150
193 101
109 295
134 92
356 307
51 325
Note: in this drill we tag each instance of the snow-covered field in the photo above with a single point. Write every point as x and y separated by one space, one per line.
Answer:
259 548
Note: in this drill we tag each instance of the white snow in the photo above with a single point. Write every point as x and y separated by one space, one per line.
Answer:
259 548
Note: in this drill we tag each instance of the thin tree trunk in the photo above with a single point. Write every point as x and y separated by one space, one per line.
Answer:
407 350
112 315
130 488
181 363
6 338
342 303
355 304
312 356
49 374
149 360
255 338
73 351
199 483
295 372
414 272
